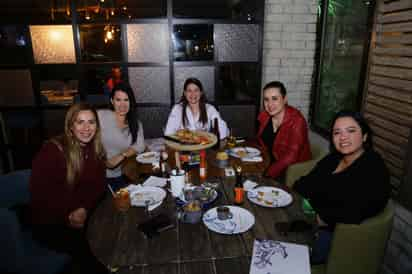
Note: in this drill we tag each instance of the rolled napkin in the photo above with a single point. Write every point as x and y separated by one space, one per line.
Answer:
252 159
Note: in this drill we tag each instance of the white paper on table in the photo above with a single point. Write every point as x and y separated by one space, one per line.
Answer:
249 185
274 257
155 181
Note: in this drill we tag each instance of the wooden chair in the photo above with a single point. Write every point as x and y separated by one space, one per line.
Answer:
358 249
295 171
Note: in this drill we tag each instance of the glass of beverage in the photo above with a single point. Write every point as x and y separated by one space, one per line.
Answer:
231 140
121 200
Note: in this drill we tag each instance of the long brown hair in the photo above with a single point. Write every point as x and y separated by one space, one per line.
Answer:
70 146
202 102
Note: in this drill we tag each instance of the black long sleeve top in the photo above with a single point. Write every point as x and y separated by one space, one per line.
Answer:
350 196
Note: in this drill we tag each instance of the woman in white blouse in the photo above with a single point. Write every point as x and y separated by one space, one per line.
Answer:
122 133
192 112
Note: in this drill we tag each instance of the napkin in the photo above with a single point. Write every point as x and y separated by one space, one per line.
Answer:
252 159
155 181
249 185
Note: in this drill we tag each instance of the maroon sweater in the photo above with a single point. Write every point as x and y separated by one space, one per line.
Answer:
51 199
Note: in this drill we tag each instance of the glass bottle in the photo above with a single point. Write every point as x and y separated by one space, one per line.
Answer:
216 132
239 192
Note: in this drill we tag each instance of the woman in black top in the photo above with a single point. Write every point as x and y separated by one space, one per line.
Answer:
350 184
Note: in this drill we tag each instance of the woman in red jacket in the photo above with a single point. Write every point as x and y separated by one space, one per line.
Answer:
67 180
282 130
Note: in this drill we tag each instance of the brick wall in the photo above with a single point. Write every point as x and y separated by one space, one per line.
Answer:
289 47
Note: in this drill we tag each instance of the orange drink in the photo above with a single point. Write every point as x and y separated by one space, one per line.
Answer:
122 200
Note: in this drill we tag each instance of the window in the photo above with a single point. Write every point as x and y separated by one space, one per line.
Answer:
13 45
100 43
193 42
217 9
341 67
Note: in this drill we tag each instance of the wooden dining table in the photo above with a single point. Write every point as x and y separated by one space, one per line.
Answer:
187 248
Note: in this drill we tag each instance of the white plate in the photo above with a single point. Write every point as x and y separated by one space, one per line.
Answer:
148 157
139 195
269 196
250 152
241 221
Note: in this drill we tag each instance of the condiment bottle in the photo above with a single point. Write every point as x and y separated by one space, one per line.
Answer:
163 163
239 192
202 166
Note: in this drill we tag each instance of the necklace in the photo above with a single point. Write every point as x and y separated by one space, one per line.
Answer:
275 126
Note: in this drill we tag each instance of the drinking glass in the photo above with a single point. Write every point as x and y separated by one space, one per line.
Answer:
121 200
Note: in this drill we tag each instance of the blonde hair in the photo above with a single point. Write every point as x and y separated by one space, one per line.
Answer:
70 145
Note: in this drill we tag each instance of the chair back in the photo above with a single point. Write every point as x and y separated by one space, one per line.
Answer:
295 171
359 249
14 188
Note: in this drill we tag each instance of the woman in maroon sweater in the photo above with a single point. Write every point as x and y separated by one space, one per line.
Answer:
66 183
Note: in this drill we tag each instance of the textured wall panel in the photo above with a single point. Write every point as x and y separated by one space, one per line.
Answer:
16 88
150 84
237 43
206 75
241 119
147 43
53 44
154 120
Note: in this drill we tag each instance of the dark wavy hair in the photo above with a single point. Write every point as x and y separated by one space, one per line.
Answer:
202 102
276 84
131 116
365 129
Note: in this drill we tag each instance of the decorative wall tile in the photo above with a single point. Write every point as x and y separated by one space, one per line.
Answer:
150 84
53 44
154 120
148 43
241 118
16 88
206 75
237 43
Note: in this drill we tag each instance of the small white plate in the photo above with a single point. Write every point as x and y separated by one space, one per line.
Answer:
139 195
242 220
150 157
269 196
244 152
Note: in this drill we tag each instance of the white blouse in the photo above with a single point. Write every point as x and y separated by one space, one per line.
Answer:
116 140
174 121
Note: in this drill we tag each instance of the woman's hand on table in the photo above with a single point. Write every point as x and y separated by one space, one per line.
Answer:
77 218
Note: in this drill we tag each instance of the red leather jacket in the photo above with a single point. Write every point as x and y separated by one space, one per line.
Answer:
291 144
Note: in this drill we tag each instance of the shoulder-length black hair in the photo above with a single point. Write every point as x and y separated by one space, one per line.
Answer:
365 129
202 102
276 84
131 116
